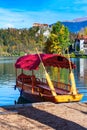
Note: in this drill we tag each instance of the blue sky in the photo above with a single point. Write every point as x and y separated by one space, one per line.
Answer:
23 13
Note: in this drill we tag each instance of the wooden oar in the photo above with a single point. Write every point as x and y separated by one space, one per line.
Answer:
73 88
47 77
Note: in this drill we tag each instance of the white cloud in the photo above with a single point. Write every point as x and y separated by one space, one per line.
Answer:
25 19
22 19
8 26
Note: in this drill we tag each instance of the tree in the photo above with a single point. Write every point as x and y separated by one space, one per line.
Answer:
59 39
83 31
54 47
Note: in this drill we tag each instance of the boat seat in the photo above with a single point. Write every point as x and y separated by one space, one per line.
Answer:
35 80
24 78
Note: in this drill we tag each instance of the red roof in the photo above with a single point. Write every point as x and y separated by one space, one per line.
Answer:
32 61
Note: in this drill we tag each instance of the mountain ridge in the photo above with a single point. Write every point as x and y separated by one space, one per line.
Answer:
77 20
75 25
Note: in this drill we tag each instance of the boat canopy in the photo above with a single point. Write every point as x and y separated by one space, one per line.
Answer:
32 61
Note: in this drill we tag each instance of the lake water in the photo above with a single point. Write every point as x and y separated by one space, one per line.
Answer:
8 96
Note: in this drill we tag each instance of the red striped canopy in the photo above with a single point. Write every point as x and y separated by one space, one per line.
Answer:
32 61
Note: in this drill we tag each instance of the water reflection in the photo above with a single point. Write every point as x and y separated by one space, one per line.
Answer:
81 76
22 100
81 70
7 81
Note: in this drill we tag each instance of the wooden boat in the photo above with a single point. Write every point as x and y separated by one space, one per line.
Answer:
36 89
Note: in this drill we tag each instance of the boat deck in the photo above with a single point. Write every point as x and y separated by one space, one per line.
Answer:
42 86
57 90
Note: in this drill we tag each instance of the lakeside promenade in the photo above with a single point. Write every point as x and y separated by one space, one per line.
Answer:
44 116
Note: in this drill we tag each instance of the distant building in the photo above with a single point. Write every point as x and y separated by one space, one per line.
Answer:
39 25
43 28
81 44
46 33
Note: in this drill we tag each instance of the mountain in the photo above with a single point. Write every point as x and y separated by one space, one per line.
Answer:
75 26
80 19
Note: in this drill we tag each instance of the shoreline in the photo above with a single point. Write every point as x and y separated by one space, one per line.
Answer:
44 116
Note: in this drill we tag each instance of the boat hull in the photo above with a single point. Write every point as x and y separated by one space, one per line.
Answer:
64 98
39 97
31 97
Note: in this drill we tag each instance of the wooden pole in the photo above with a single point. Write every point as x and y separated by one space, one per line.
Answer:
16 73
33 81
58 76
73 88
47 77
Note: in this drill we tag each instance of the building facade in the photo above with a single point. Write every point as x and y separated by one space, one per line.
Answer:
81 44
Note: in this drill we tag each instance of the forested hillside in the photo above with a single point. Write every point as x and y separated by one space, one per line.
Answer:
24 41
17 41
